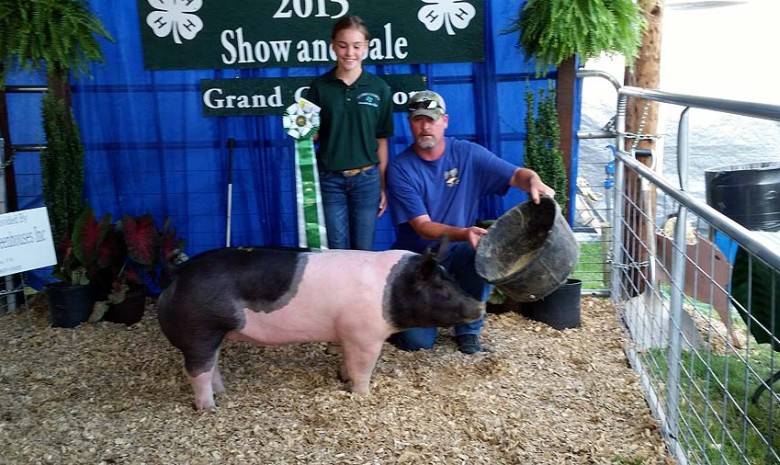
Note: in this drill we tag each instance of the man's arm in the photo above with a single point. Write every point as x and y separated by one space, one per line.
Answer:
529 181
428 229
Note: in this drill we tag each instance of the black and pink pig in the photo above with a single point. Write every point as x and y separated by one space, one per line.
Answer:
274 296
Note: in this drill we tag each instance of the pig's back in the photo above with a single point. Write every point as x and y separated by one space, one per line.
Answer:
279 296
338 292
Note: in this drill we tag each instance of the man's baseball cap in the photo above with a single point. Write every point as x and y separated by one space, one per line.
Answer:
427 103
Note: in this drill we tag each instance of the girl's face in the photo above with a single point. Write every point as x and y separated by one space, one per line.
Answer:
350 45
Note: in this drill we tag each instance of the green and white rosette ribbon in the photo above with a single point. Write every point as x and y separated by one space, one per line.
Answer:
301 121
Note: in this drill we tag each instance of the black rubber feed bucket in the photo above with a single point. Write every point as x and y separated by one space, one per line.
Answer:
748 194
529 251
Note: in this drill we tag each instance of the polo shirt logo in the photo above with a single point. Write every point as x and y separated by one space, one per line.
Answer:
369 98
451 177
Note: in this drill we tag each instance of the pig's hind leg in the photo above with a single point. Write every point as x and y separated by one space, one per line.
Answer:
201 366
202 386
216 380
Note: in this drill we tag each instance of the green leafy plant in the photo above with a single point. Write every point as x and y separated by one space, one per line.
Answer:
552 31
542 148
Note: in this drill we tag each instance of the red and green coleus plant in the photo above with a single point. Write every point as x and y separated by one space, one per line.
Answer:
147 250
144 249
90 252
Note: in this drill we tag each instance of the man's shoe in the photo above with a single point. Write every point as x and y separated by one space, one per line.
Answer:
468 343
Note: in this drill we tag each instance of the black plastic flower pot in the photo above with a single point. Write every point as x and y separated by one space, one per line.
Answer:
69 305
559 309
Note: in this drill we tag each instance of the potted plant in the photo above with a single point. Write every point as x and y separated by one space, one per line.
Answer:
543 155
141 271
148 247
85 259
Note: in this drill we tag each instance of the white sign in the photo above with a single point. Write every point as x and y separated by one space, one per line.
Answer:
26 242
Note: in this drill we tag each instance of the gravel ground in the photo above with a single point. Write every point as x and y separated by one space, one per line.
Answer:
104 393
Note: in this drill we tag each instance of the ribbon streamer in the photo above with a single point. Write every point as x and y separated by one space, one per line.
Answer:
301 121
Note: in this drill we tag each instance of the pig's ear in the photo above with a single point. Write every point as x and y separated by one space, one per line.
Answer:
441 249
428 265
431 258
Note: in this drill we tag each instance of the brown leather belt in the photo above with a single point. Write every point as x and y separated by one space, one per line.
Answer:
353 171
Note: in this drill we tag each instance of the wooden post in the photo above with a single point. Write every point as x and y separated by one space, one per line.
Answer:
639 206
564 96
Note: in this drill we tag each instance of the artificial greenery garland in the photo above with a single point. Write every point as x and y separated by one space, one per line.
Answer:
62 166
543 152
552 31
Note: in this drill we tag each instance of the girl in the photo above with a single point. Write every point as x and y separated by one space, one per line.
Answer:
355 122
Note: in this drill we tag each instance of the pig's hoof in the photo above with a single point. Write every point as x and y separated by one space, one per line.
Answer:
362 390
204 405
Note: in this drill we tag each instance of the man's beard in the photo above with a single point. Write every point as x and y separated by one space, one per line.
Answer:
426 142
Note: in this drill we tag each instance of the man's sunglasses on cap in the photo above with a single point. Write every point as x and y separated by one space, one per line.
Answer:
424 105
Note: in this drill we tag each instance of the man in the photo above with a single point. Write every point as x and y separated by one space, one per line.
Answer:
434 188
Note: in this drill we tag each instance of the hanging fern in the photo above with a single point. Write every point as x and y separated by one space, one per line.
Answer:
60 34
552 31
543 152
57 36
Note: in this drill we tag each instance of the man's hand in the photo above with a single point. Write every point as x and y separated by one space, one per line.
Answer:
537 188
475 233
529 181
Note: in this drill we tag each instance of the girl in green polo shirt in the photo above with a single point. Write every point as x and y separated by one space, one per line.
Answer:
355 121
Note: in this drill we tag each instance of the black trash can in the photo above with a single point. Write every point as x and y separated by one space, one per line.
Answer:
748 194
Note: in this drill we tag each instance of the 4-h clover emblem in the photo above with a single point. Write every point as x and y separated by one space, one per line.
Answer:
447 13
175 17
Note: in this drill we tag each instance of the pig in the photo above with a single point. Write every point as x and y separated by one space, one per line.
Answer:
277 296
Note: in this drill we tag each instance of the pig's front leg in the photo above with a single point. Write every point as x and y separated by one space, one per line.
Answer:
359 362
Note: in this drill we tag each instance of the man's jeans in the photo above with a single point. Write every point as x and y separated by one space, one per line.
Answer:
460 264
350 205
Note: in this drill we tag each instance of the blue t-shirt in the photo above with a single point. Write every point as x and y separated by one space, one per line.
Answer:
447 189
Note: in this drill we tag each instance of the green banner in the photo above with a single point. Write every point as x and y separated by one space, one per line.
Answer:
301 120
270 96
226 34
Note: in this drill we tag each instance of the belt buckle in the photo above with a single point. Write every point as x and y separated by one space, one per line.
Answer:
352 172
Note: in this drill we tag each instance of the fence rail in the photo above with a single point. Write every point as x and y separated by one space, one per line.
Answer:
699 295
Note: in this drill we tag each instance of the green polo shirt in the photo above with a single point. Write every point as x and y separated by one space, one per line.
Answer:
351 120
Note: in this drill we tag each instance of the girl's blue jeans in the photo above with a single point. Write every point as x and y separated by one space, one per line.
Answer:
350 205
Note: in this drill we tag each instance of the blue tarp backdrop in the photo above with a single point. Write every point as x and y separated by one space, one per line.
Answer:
150 149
